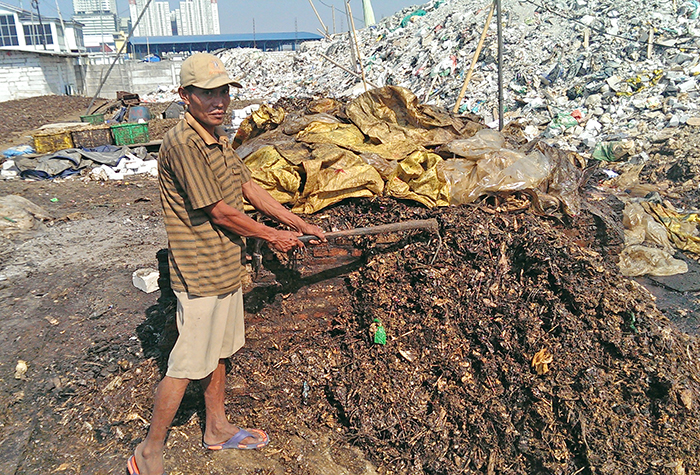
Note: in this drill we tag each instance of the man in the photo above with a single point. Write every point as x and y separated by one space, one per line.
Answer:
202 185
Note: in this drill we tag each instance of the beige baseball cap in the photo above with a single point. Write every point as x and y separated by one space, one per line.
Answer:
205 71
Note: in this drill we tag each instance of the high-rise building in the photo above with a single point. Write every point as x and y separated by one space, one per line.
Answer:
99 18
156 20
91 6
198 17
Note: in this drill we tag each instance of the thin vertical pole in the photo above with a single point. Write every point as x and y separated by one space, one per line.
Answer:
41 25
352 47
499 19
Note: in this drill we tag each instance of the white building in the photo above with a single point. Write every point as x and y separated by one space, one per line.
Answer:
156 20
98 28
198 17
99 18
38 55
89 6
23 30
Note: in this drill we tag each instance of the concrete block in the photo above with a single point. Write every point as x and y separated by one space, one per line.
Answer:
145 280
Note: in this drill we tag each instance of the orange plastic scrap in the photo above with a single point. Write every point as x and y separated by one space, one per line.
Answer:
541 361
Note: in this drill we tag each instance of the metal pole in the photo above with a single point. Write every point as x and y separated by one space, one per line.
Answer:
41 26
500 64
32 33
63 27
352 47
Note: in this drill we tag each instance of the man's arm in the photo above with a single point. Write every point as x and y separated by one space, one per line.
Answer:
230 218
266 204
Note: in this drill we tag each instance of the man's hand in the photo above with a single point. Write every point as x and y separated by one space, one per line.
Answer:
312 230
283 241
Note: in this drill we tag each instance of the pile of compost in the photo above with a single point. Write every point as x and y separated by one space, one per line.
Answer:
454 389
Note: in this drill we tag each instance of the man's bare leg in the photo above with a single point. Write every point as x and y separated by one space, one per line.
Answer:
149 453
218 429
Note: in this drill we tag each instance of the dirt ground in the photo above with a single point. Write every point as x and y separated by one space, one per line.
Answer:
453 392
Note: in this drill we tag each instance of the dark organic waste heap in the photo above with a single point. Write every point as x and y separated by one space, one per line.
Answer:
453 390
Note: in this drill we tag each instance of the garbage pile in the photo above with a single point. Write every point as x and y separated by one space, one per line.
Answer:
584 72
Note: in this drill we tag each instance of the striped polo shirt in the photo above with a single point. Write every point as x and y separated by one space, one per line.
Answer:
196 170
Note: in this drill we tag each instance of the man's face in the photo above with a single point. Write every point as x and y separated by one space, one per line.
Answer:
208 106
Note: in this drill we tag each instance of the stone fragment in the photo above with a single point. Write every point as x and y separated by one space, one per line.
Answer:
145 280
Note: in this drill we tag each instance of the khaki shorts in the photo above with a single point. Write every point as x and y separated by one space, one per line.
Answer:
210 328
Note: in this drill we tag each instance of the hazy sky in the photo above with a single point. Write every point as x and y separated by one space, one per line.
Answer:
236 16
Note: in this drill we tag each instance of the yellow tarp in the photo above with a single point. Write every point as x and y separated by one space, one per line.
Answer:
342 135
389 148
333 175
275 174
392 114
416 178
348 136
260 121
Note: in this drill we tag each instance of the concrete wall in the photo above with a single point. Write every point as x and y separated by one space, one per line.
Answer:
132 76
28 74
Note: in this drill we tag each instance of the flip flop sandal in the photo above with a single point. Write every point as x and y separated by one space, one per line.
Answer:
235 442
132 468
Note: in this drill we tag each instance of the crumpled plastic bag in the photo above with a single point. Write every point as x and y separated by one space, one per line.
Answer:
18 150
640 227
640 260
417 178
628 185
410 17
18 215
333 175
385 167
565 178
473 148
612 151
502 170
275 174
683 228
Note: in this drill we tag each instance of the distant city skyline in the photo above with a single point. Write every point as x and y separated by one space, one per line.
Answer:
267 16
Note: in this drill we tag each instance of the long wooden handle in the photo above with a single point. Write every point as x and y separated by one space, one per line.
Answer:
382 228
474 60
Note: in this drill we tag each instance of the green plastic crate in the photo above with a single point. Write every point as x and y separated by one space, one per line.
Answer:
93 119
127 134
